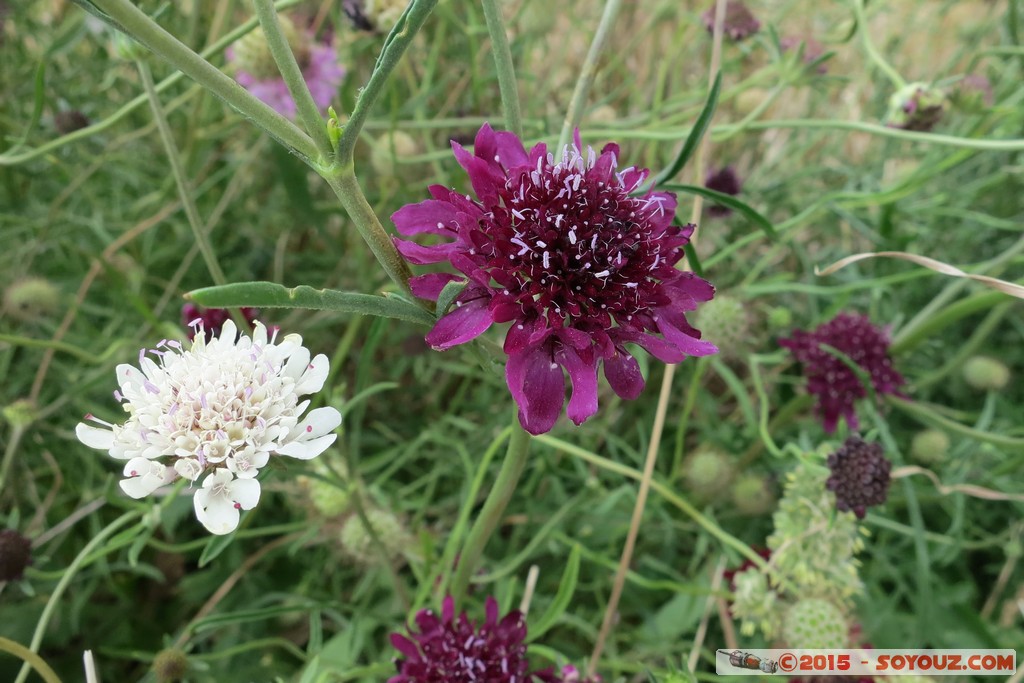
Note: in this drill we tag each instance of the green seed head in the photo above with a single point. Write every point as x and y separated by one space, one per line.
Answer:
170 666
813 623
708 472
359 545
752 495
986 374
929 447
780 318
31 299
724 322
20 414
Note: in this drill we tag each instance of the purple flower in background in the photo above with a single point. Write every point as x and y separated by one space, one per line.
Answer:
258 74
726 181
830 379
739 22
812 49
212 319
564 250
450 650
860 476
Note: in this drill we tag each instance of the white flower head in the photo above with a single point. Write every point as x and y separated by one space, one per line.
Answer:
219 408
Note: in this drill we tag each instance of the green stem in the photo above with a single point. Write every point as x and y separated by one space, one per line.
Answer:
346 187
293 78
187 201
394 46
494 508
76 564
869 47
579 95
143 29
30 658
12 448
910 337
506 69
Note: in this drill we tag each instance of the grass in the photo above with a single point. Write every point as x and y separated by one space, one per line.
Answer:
99 217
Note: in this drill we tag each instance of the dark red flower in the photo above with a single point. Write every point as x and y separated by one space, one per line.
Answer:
860 476
726 181
739 22
568 252
835 384
450 650
212 318
15 555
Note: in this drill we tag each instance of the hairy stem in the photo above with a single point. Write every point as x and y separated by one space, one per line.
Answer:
506 70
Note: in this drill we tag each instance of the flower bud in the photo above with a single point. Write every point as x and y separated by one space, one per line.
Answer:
69 120
170 665
15 555
917 106
929 447
31 298
815 624
252 53
20 414
708 472
780 318
986 373
739 22
973 94
328 498
358 544
752 495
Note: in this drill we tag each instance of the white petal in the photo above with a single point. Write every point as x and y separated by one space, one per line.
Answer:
313 379
297 364
227 335
140 487
94 437
127 374
188 468
221 476
259 334
245 492
220 515
305 450
317 423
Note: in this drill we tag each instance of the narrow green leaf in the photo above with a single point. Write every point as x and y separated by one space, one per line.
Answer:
693 259
448 295
696 133
729 201
272 295
214 547
566 589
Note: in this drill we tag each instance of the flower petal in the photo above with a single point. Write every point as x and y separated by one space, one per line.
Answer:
313 378
421 255
431 216
538 388
583 401
245 492
94 437
219 516
429 286
623 374
464 323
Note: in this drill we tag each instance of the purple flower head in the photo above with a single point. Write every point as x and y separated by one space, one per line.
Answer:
860 476
829 378
213 319
739 23
450 650
812 49
726 181
562 249
318 61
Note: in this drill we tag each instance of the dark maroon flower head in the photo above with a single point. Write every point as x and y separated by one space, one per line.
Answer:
567 251
69 120
830 379
726 181
812 49
739 23
212 318
15 555
860 476
450 650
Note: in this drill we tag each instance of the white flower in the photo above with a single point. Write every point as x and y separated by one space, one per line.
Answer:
222 496
224 407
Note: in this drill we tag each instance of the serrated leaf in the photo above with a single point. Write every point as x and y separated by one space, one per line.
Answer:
566 589
731 202
273 295
700 127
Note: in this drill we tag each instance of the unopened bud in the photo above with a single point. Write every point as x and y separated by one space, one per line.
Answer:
816 624
929 447
986 374
31 299
917 106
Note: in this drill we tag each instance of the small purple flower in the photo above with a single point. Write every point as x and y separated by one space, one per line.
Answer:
860 476
726 181
318 61
812 49
449 650
564 250
739 23
830 379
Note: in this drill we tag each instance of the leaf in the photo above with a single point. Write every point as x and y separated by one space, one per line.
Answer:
735 204
693 260
272 295
448 294
214 547
566 589
696 134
